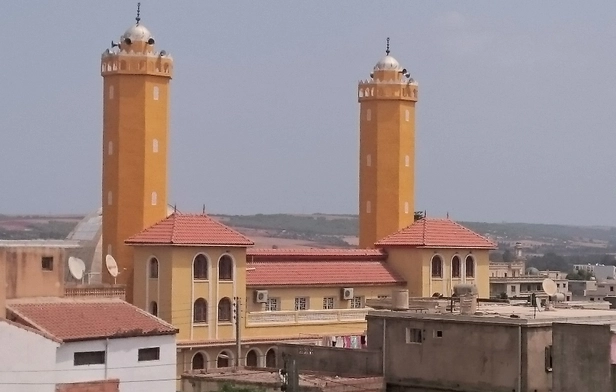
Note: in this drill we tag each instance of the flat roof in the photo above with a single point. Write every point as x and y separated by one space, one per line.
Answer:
510 314
271 377
39 244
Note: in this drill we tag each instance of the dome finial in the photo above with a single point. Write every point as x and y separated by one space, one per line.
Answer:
138 18
387 50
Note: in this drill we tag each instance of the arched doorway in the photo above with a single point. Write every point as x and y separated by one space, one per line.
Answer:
270 358
252 358
223 360
198 362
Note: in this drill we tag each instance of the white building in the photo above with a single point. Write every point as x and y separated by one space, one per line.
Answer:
48 343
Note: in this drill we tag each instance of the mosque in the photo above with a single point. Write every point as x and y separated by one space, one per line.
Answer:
209 280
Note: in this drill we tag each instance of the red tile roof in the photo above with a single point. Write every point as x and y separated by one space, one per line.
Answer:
86 319
315 253
320 272
437 233
189 230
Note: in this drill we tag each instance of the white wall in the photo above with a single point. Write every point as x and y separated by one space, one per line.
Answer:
604 272
122 363
26 358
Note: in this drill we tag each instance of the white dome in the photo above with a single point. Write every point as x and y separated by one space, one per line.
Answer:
137 33
388 63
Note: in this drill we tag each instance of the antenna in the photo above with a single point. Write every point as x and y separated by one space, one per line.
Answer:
112 267
138 18
76 267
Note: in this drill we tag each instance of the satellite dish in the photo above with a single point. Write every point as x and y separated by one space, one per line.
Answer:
76 267
112 266
549 287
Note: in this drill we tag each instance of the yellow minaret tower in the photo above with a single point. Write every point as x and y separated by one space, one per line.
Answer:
387 151
135 143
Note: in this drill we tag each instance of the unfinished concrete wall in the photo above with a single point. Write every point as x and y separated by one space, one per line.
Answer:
451 355
338 361
92 386
535 376
581 357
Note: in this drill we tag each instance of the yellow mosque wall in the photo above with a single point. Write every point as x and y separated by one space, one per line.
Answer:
414 265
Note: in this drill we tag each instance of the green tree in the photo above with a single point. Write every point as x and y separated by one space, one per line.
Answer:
508 256
236 388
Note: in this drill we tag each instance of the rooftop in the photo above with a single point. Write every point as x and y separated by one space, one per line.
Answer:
330 253
63 244
492 313
73 319
270 377
437 233
189 230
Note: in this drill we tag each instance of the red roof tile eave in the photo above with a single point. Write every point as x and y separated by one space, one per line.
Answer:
329 285
208 245
436 246
120 336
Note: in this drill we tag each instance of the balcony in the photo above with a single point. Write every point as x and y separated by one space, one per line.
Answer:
305 317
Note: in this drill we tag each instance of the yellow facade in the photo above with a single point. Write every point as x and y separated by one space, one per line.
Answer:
387 152
175 291
415 266
135 144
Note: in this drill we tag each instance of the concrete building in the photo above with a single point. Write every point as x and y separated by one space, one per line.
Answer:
507 270
50 342
386 150
505 348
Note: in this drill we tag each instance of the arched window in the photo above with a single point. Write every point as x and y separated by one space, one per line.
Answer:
252 358
200 311
455 267
153 268
200 267
155 93
198 362
155 145
224 309
154 308
225 268
223 359
437 267
154 198
270 358
470 267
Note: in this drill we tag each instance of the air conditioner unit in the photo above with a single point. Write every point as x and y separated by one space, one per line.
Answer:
261 296
347 293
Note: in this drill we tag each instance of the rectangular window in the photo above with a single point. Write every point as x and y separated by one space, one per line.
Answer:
611 288
357 302
47 263
89 358
513 289
272 304
438 334
548 358
328 303
301 303
148 354
414 335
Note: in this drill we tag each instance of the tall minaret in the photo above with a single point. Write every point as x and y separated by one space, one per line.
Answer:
135 143
386 151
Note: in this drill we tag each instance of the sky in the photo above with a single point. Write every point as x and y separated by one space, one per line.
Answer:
515 119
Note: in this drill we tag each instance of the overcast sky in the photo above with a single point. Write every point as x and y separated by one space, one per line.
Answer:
516 118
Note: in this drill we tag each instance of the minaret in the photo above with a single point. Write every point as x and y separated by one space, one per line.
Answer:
386 151
135 143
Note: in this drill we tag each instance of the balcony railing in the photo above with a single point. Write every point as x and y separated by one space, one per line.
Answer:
283 317
98 291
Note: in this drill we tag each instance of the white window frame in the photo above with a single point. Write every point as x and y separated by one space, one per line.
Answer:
329 303
272 304
301 303
357 303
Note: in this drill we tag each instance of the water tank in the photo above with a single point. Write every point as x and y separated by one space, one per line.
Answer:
400 299
464 289
558 297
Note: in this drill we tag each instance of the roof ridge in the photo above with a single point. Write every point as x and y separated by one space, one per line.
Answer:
175 219
228 228
473 232
44 334
150 315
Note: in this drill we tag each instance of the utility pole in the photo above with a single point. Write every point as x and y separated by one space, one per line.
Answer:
289 375
237 313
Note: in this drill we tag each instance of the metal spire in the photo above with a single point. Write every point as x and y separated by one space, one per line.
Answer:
138 18
387 50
